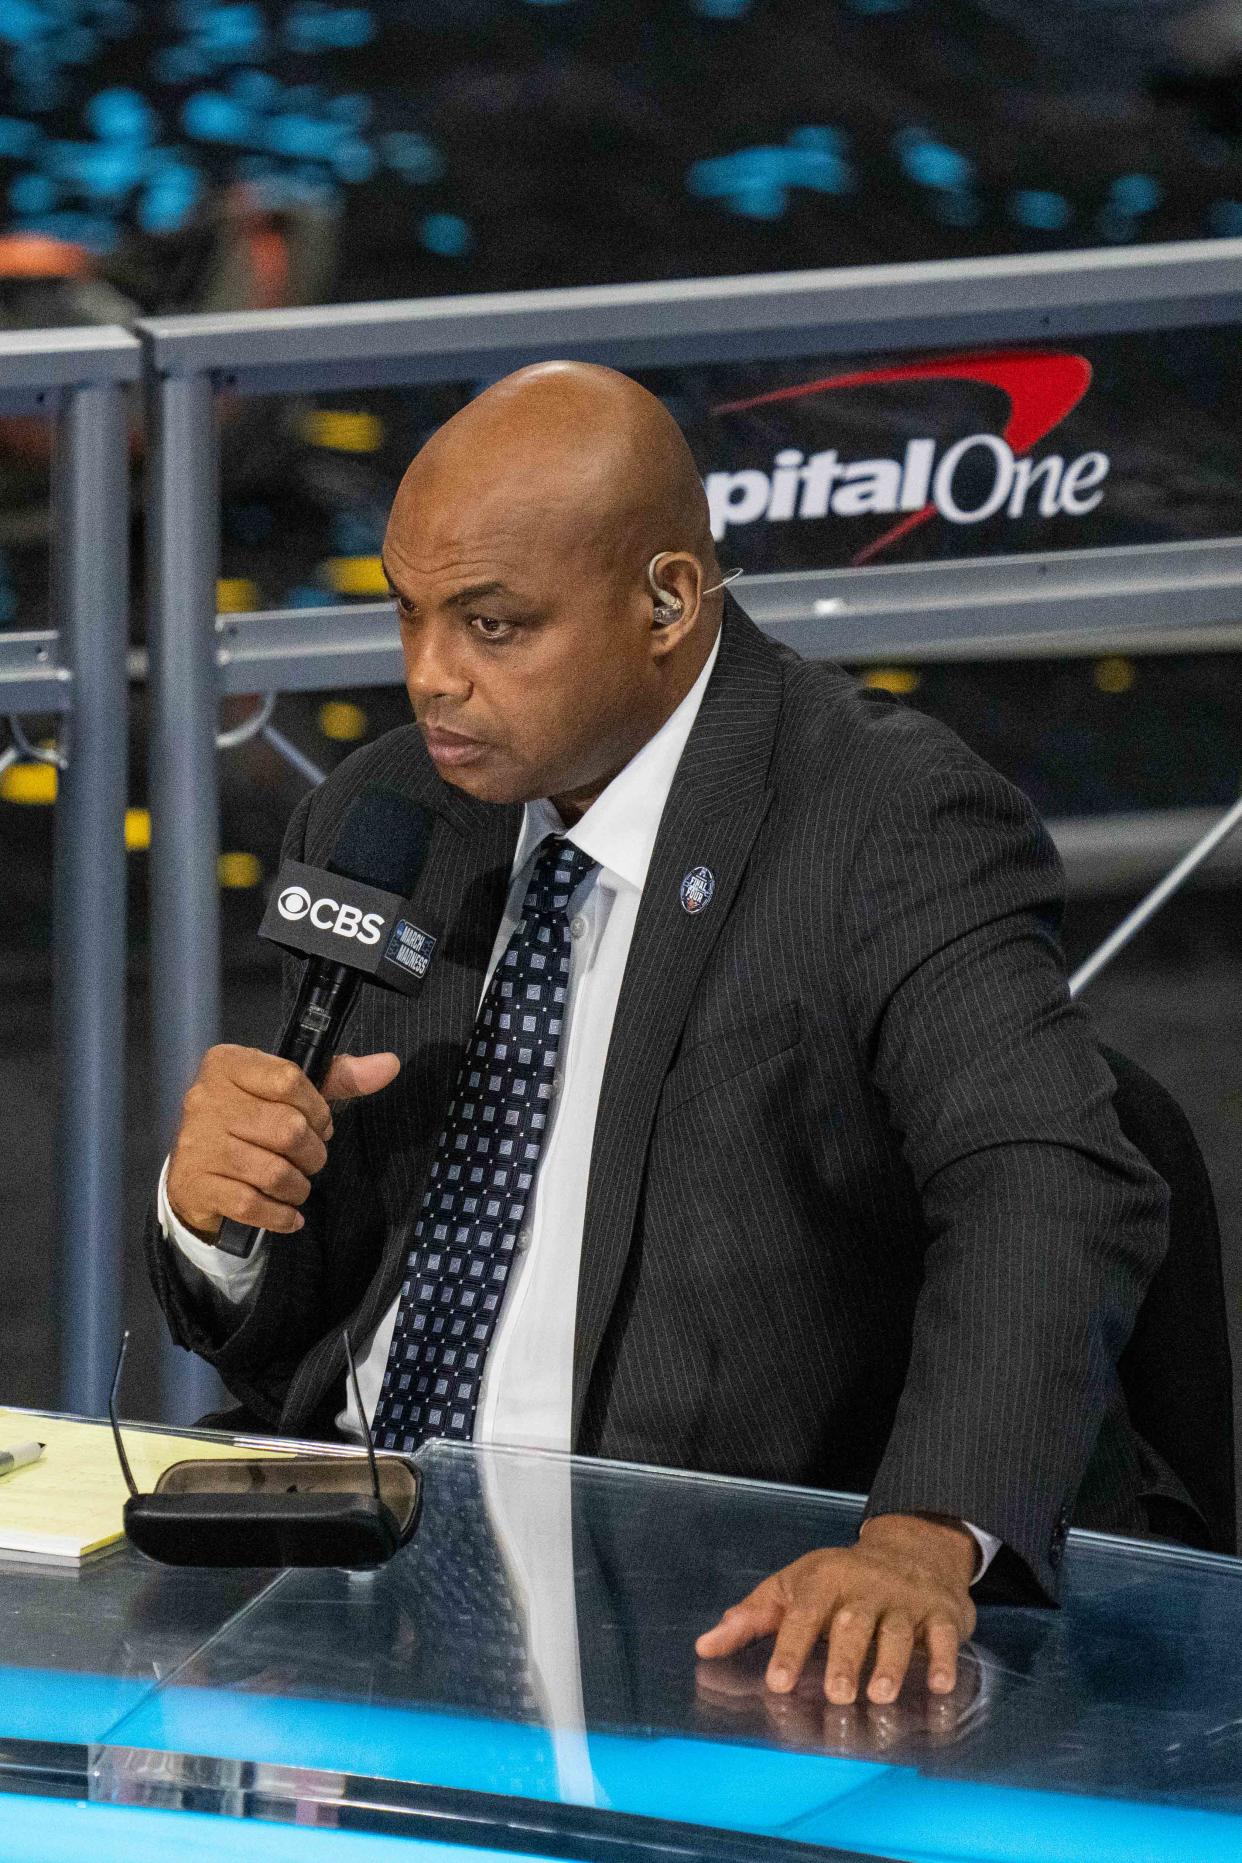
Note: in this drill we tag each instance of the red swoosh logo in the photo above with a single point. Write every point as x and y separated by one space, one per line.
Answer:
1042 387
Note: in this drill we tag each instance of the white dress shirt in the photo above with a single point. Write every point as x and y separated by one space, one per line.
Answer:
526 1395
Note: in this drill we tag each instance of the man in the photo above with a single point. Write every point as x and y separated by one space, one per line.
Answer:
817 1176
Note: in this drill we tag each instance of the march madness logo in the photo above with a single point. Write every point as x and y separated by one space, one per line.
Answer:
930 479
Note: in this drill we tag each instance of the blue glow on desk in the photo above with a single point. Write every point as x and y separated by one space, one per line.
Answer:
924 1820
745 1788
65 1705
811 1798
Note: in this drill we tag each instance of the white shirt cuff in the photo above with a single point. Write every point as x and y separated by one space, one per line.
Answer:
988 1545
231 1277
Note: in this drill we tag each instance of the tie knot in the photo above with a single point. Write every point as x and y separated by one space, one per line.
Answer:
557 873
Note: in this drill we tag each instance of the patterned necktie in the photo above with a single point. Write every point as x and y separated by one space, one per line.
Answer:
481 1174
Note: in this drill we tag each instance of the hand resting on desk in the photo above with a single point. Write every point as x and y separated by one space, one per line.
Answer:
906 1582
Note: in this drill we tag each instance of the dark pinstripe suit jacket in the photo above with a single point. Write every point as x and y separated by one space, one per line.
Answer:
860 1214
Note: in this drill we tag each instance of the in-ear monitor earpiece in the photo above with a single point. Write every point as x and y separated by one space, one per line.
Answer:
669 606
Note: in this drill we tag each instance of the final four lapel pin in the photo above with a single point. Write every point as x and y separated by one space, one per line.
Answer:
697 889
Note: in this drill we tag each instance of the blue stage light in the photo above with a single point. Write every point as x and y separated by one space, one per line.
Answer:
103 172
226 33
16 137
210 116
21 22
93 230
1135 194
932 164
297 135
306 595
1041 208
756 182
313 28
1225 219
445 234
258 90
170 197
1129 197
121 115
350 107
33 194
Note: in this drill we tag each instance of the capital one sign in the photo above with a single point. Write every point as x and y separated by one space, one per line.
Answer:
978 476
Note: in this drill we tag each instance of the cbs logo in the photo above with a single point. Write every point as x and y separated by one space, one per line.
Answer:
328 915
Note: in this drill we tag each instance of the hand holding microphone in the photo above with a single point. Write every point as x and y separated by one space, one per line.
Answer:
255 1127
254 1132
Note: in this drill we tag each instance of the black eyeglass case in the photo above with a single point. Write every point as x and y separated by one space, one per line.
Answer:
297 1510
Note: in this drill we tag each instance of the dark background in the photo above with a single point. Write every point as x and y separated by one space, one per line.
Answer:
451 146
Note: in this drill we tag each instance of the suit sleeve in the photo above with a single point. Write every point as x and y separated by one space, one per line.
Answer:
1043 1224
257 1347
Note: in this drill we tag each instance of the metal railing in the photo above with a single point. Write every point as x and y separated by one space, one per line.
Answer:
75 673
1106 600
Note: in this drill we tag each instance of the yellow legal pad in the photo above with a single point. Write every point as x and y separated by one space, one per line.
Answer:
67 1506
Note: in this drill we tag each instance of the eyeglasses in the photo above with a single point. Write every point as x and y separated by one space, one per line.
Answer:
295 1509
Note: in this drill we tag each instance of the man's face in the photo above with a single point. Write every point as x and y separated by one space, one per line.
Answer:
527 644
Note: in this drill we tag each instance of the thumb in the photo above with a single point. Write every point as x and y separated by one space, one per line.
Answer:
352 1075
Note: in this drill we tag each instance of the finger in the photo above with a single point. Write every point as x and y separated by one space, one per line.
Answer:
796 1638
267 1077
943 1642
848 1642
756 1616
280 1129
894 1647
242 1203
264 1171
352 1075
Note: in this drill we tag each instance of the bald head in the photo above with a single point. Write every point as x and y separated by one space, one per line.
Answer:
581 445
530 519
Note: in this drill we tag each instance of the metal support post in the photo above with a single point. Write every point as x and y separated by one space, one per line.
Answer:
91 590
182 553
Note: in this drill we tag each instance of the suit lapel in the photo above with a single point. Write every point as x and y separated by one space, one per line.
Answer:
718 800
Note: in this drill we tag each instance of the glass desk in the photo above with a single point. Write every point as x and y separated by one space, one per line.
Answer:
522 1679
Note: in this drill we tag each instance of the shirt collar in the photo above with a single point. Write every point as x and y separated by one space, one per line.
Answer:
619 829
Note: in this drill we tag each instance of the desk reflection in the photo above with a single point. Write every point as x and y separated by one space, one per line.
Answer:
733 1701
544 1618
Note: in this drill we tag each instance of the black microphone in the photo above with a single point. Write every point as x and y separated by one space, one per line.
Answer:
350 921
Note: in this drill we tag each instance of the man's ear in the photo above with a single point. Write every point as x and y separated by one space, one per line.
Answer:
676 583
